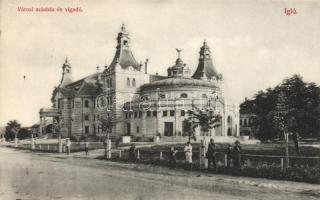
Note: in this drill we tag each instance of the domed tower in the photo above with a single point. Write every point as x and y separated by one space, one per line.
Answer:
66 74
206 69
179 69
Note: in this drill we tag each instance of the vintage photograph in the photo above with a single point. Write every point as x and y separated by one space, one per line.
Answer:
159 99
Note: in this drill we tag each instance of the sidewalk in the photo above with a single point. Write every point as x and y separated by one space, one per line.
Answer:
289 186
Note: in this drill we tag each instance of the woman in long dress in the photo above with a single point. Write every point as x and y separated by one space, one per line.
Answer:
188 153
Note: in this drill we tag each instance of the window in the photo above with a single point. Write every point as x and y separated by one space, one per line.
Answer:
165 113
128 81
171 113
135 114
183 113
138 129
111 82
59 103
125 42
134 82
108 83
154 113
162 96
129 114
86 129
140 114
86 104
184 95
204 96
148 113
86 117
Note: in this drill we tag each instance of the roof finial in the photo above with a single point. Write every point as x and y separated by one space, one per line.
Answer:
204 42
66 60
123 27
98 68
179 52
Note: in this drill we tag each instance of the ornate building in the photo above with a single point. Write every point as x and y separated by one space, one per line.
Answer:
139 103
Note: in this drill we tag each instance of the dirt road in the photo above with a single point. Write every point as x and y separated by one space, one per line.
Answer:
26 175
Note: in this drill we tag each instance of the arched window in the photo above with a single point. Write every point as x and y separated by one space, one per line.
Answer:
183 95
128 81
134 82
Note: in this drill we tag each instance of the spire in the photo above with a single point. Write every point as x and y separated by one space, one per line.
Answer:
66 73
124 56
206 69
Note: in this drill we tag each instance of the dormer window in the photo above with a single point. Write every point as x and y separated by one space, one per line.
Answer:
183 95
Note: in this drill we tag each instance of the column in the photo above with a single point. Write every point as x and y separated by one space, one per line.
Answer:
40 127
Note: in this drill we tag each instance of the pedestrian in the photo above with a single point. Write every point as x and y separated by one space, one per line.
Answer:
86 147
236 155
229 156
68 146
211 155
132 153
188 154
173 158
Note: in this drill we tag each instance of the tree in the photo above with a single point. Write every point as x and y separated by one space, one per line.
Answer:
24 133
204 118
11 130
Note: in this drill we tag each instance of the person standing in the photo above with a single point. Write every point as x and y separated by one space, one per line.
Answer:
173 158
68 145
236 155
86 147
188 154
229 156
132 153
211 155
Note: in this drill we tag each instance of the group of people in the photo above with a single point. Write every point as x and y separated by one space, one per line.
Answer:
232 152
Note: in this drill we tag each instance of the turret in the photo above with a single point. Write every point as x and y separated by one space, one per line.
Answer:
66 74
206 69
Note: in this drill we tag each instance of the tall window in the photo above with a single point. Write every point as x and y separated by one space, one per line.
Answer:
111 82
165 113
183 113
134 82
86 129
86 104
171 113
154 113
148 113
138 129
128 81
86 117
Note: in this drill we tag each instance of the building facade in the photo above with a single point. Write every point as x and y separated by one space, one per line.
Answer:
139 103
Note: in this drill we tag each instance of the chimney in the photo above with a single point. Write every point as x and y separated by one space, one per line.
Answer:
146 66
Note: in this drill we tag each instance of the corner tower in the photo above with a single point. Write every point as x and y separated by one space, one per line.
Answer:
206 69
124 56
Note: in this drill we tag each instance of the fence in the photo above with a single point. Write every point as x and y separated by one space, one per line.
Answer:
163 157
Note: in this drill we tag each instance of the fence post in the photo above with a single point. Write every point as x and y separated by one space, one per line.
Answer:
160 155
225 160
119 153
281 162
48 147
138 154
39 146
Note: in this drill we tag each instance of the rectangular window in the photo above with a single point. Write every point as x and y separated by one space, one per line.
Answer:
86 103
135 114
165 113
183 113
140 114
154 113
129 114
138 129
86 117
171 113
86 129
148 113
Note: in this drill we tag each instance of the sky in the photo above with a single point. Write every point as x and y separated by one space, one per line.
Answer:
254 44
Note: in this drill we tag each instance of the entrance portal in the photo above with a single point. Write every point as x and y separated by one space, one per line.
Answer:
168 129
